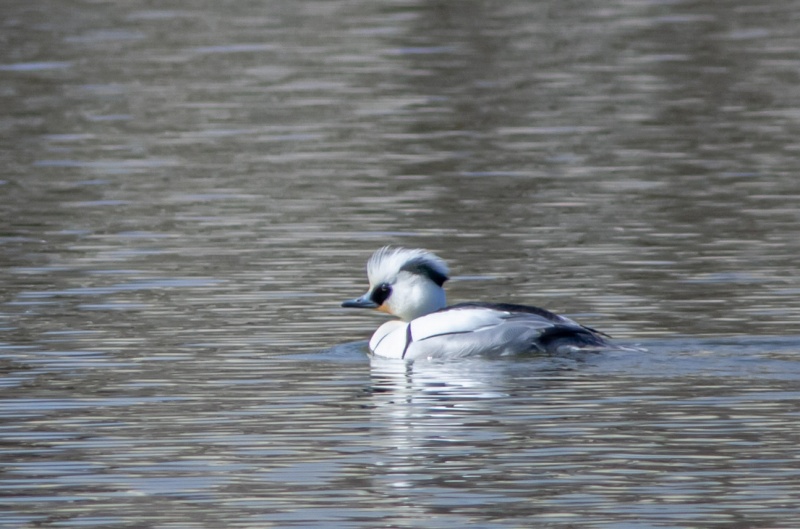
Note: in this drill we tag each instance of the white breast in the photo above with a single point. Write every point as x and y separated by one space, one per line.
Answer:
389 340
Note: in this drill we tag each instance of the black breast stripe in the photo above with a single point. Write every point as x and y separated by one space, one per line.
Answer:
409 339
448 334
379 342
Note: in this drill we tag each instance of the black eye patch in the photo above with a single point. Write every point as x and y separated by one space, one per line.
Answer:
381 293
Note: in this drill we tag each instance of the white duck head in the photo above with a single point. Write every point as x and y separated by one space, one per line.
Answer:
405 283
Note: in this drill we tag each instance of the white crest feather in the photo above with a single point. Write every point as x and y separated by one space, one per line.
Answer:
386 263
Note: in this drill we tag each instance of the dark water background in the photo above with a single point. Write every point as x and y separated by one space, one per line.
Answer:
188 189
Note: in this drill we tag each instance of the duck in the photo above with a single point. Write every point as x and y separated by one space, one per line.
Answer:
409 285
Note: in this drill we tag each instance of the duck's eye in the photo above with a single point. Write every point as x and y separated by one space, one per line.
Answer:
381 292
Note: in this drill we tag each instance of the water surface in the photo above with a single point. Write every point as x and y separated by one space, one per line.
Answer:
188 192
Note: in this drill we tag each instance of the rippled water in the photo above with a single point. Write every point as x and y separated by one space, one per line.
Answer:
188 191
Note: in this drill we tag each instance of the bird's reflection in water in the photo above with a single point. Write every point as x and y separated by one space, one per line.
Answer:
434 421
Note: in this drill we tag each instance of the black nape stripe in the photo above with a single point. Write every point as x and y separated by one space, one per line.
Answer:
424 268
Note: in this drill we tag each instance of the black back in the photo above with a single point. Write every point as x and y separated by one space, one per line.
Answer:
510 307
562 330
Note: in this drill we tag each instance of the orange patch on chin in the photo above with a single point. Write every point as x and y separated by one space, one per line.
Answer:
384 308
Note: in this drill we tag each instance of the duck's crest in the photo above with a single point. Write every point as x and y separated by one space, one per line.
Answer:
387 262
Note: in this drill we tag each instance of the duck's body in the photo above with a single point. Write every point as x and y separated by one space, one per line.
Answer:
408 284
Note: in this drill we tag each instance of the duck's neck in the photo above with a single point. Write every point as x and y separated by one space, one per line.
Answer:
424 301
